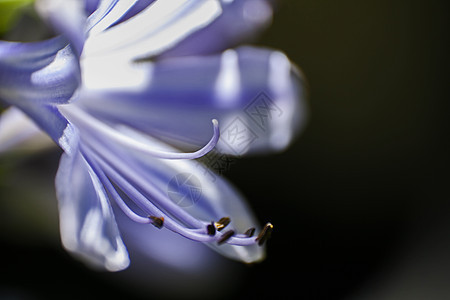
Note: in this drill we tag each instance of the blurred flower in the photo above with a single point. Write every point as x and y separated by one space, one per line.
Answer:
125 83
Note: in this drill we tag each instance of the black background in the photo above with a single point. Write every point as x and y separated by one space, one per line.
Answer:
359 202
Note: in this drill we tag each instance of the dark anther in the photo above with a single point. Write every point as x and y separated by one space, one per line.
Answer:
157 222
225 237
264 235
250 232
222 223
211 229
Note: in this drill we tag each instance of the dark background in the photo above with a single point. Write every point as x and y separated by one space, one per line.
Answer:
359 202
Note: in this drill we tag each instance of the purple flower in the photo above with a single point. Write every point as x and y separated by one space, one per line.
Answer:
126 84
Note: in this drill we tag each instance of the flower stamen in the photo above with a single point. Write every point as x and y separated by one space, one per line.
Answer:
91 124
250 232
198 230
265 234
211 229
225 237
119 201
222 223
117 173
157 222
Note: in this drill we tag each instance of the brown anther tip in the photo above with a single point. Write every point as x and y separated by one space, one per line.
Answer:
222 223
225 237
211 229
264 235
157 222
250 232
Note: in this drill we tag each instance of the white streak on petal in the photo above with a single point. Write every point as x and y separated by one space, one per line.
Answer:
88 227
114 73
90 230
56 71
155 29
280 83
228 80
91 234
67 139
68 228
279 74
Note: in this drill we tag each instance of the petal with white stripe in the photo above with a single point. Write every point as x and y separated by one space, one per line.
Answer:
87 223
241 21
155 29
40 72
254 90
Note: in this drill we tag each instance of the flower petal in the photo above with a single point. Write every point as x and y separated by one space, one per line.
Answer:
40 72
240 21
256 95
75 18
35 76
67 17
153 30
18 132
108 13
137 7
88 227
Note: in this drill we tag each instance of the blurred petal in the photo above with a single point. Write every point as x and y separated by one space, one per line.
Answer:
240 21
90 6
88 227
67 17
18 132
40 72
154 29
76 19
257 96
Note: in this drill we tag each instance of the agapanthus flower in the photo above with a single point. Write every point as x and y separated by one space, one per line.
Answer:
122 88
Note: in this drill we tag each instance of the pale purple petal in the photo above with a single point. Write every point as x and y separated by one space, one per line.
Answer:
39 73
137 8
67 17
153 30
88 227
108 13
36 76
240 21
76 19
255 92
90 6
